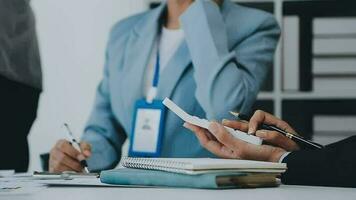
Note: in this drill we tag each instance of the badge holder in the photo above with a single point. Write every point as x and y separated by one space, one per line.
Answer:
148 123
147 129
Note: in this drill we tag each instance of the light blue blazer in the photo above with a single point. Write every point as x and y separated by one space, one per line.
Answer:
219 67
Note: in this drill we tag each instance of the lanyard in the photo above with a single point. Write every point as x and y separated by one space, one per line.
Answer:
156 73
152 92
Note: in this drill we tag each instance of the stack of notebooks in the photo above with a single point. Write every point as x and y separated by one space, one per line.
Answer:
194 173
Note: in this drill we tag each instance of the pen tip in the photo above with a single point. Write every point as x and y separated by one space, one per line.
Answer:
68 129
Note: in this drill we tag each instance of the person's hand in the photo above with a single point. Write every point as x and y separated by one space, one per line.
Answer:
220 142
64 157
271 137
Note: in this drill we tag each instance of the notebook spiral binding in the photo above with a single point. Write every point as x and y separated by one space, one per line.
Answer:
150 164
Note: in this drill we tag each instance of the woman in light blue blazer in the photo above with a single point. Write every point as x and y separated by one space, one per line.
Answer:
218 66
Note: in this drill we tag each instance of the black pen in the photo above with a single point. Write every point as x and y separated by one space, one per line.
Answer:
76 145
295 138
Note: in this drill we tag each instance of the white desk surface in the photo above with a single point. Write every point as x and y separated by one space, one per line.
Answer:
282 192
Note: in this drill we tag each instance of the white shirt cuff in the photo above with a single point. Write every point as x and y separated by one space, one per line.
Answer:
283 156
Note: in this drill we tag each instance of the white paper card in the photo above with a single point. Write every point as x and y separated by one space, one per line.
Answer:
205 123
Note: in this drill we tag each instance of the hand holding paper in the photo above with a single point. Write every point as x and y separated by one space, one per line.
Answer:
205 123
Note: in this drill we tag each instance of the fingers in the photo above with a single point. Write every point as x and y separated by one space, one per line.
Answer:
227 146
86 149
260 117
64 157
241 149
60 161
242 126
277 139
208 143
199 132
222 135
256 120
55 167
65 147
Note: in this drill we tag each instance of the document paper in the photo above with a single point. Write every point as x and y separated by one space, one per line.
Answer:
205 123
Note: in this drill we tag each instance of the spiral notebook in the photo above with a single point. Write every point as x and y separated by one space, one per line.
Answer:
202 165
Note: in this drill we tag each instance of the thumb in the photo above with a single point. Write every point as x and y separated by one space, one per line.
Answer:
86 149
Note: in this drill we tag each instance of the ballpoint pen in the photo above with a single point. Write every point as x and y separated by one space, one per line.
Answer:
296 138
76 145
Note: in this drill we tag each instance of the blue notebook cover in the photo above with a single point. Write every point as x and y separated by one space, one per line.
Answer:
128 176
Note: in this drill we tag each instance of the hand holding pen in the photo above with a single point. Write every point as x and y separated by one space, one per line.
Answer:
69 155
220 142
270 127
76 145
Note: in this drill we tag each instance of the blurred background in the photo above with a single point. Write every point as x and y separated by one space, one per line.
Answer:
312 84
72 37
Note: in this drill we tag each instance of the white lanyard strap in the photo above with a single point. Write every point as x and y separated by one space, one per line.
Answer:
152 92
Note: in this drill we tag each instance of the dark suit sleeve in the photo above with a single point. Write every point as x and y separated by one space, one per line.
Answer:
335 165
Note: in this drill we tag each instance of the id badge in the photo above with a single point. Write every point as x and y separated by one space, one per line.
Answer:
147 129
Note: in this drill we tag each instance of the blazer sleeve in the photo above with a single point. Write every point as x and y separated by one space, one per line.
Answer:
333 165
227 79
103 131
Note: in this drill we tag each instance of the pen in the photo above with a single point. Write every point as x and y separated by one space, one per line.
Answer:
76 145
295 138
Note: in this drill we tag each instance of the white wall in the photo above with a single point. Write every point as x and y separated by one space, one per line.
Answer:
72 36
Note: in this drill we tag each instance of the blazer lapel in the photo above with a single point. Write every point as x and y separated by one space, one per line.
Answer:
180 62
138 52
171 75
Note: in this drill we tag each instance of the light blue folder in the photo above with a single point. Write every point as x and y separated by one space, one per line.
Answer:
128 176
